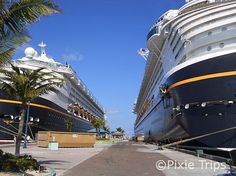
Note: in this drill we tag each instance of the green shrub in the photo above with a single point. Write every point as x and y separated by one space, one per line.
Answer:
6 160
1 153
11 163
23 164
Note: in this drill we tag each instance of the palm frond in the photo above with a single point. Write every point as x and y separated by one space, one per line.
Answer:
26 12
9 43
11 40
9 88
44 89
56 80
27 84
15 69
6 55
15 16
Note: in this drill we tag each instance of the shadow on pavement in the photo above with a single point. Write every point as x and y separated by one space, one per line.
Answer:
52 162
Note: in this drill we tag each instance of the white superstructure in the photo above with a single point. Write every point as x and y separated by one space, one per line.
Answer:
200 30
73 92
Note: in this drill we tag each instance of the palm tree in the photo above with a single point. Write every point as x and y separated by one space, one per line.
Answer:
98 123
25 85
106 128
69 124
120 130
15 16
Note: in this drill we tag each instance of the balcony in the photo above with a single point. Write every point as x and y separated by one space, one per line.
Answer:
153 31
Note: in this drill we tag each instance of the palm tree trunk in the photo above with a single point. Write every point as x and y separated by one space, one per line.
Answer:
97 132
20 130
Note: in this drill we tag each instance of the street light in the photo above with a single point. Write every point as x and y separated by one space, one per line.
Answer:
26 126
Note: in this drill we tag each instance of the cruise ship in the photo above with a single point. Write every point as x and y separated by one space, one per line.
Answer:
189 86
71 108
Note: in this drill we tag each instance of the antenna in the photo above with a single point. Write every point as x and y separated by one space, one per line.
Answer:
43 48
143 53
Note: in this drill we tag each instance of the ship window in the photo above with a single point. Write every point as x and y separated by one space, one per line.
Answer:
209 33
224 28
209 48
222 45
173 38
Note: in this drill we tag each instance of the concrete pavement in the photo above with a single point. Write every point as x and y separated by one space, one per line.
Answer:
121 159
61 160
182 164
139 159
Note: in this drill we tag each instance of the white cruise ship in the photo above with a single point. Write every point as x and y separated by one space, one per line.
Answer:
70 109
189 85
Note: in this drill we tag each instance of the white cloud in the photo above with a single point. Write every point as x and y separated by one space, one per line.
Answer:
113 112
72 57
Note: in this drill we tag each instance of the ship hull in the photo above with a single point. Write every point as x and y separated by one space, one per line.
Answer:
51 118
212 81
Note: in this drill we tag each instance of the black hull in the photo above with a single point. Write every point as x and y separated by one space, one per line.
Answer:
219 93
53 119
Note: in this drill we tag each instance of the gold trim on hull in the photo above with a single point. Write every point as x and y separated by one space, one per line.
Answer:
200 78
35 105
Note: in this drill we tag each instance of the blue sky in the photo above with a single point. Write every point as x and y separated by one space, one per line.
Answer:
100 40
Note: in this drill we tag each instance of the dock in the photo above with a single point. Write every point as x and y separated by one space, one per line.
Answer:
124 158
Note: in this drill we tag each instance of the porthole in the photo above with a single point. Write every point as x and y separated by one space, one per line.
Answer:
205 115
222 45
209 33
209 48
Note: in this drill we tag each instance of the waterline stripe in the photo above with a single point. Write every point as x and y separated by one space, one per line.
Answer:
200 78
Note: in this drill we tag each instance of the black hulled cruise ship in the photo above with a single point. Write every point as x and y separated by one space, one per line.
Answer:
70 109
189 86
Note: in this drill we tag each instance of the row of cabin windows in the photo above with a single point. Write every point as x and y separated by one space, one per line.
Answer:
209 22
221 45
209 48
177 31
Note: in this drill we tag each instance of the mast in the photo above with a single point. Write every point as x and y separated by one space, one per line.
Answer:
43 48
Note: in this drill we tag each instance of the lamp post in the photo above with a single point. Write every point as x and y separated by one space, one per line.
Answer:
26 126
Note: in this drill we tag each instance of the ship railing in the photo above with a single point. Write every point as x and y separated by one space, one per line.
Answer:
79 116
79 82
192 3
199 3
53 66
62 69
87 91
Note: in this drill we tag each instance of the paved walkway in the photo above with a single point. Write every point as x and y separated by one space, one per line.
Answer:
138 159
182 164
61 160
122 159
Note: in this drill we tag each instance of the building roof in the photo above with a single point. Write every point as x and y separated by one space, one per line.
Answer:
93 130
117 133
